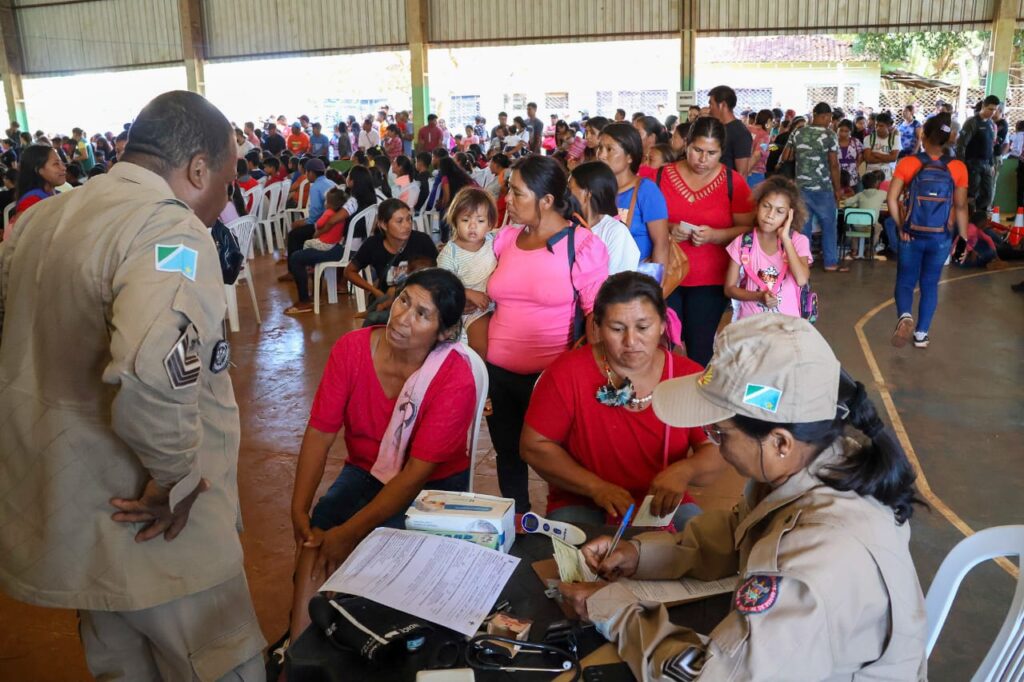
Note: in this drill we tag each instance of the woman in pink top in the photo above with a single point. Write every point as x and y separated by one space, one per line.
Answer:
534 290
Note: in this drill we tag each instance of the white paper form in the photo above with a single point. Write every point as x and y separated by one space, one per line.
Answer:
445 581
682 590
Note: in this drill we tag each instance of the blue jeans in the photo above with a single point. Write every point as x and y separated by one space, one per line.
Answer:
821 206
587 515
355 488
920 261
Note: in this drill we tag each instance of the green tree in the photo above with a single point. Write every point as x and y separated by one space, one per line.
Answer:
941 49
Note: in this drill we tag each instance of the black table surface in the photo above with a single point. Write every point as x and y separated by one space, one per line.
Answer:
311 658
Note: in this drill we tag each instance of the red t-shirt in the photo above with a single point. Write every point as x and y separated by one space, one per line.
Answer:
708 206
430 137
622 447
442 427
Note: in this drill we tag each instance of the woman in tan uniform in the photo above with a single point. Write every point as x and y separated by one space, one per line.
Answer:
820 539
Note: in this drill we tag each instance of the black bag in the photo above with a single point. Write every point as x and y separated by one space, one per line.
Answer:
373 631
231 256
578 329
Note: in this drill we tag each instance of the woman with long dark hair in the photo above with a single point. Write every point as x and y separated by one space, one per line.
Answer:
40 171
536 288
708 207
827 586
641 207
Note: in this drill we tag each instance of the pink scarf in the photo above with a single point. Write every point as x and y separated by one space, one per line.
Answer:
392 454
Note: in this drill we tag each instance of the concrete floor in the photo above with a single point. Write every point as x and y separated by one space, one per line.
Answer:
960 402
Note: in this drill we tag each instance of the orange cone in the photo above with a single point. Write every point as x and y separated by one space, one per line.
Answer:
996 218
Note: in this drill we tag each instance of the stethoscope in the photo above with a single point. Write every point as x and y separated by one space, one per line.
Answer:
484 652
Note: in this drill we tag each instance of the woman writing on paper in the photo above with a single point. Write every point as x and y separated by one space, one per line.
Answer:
590 432
828 590
405 397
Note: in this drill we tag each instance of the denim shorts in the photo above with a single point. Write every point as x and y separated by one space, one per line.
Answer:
355 488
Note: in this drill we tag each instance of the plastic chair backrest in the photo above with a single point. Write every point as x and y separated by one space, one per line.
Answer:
282 198
8 210
243 228
367 215
861 217
303 196
480 379
270 195
1005 659
256 194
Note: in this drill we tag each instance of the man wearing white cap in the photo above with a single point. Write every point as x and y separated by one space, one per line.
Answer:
827 589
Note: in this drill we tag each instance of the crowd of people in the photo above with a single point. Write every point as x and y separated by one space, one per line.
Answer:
589 263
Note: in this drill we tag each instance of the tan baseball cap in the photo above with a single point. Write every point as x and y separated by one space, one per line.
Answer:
772 367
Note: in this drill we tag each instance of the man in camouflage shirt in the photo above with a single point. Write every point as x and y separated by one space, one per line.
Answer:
816 151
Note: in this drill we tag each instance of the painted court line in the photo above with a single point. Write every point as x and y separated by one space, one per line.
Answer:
901 432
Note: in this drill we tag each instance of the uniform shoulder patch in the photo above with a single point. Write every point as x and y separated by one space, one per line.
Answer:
758 593
176 258
182 362
221 356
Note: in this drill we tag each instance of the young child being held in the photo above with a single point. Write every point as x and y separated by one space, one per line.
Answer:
772 263
324 238
660 155
470 255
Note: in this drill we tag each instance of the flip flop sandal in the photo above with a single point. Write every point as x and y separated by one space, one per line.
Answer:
297 310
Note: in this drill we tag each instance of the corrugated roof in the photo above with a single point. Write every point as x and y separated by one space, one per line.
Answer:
805 48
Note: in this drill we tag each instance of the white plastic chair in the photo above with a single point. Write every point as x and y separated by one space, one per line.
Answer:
279 217
1004 661
243 229
268 216
256 194
302 201
480 379
329 269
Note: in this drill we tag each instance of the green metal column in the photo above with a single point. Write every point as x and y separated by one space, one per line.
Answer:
193 46
416 15
1003 25
687 45
11 66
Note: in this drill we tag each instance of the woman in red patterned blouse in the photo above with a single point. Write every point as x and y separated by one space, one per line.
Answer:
708 207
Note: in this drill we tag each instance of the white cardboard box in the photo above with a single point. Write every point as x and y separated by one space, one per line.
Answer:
472 512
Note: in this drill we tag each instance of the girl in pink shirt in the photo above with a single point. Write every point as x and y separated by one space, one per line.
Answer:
534 290
769 265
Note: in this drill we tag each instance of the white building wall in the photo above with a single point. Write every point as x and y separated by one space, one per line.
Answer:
790 82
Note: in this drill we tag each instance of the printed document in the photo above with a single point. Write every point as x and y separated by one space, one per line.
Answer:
449 582
678 591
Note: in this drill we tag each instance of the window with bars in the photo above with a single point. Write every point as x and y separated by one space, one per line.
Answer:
463 110
605 105
646 101
822 93
556 102
851 94
519 101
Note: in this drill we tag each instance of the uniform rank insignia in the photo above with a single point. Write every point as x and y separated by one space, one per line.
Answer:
183 363
757 594
176 258
221 356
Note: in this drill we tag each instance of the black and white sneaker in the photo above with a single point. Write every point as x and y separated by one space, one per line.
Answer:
920 340
904 331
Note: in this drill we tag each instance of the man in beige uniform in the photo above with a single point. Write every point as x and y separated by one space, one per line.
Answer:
119 422
827 588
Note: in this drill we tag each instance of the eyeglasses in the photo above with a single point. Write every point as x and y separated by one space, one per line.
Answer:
714 433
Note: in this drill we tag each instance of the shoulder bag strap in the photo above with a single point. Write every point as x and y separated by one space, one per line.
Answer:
632 203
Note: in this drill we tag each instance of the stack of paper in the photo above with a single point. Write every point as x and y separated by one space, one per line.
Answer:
445 581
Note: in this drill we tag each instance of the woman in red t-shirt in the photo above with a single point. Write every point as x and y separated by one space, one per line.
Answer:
590 432
360 388
708 206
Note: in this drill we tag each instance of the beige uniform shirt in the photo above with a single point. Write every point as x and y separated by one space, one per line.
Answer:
828 591
112 299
